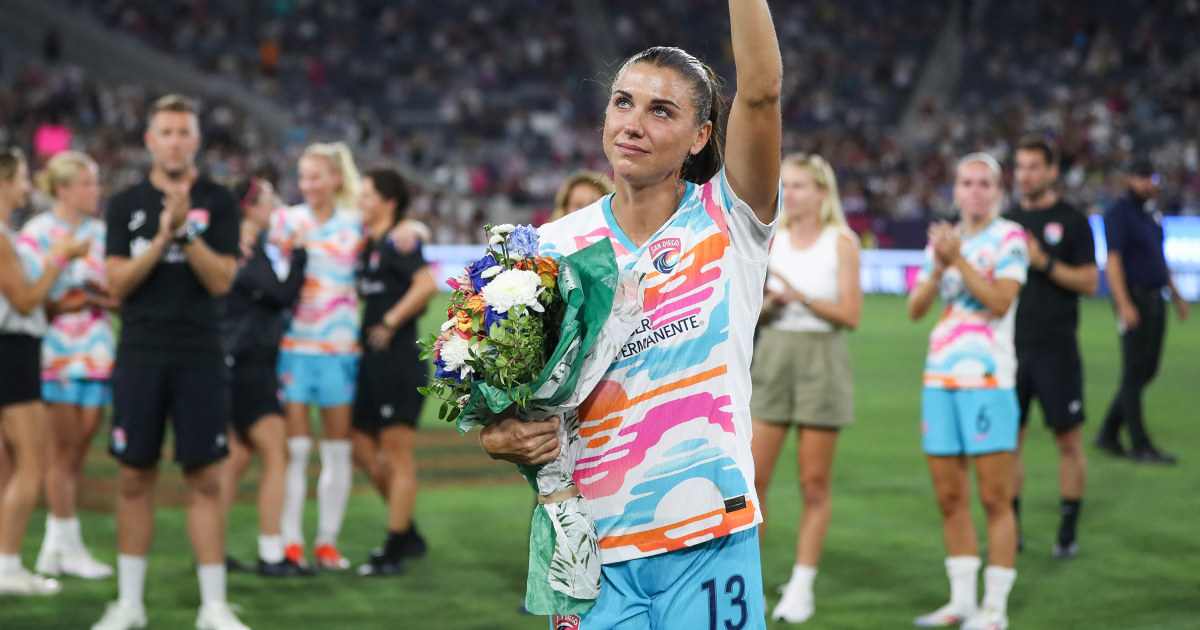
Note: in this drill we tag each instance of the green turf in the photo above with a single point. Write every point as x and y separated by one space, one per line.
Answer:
883 563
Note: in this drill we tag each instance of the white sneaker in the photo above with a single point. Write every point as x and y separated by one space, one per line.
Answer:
947 615
77 563
218 616
795 606
22 582
122 616
987 619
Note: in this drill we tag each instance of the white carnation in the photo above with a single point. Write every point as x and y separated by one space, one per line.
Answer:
455 353
503 229
514 287
491 271
496 240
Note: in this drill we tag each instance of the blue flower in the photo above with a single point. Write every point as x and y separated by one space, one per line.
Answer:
442 372
476 269
490 316
523 241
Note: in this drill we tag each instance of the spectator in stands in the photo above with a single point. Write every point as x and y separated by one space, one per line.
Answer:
582 189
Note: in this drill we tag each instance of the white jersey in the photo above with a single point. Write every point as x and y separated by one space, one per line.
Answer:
667 462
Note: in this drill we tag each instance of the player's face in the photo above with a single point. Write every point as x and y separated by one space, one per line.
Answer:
582 195
173 139
16 192
1034 176
264 204
82 193
801 194
650 124
373 206
976 190
319 180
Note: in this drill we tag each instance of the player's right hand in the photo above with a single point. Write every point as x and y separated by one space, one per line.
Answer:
522 443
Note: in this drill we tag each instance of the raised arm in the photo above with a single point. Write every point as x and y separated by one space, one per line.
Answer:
753 143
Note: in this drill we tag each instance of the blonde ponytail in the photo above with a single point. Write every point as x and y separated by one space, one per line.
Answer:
831 212
61 171
342 160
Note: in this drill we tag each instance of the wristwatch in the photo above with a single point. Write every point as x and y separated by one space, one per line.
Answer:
187 234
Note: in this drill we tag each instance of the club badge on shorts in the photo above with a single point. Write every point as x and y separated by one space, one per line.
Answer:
1053 233
565 622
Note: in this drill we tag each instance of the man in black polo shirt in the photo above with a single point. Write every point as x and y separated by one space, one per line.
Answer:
172 242
1137 273
1062 267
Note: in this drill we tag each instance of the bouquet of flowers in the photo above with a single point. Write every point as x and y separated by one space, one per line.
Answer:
538 333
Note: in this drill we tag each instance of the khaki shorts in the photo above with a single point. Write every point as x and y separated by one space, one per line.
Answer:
802 378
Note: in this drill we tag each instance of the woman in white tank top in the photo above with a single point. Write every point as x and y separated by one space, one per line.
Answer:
22 415
801 370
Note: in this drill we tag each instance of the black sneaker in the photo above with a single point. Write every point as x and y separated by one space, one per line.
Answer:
233 565
414 545
1113 447
283 568
1153 456
1066 551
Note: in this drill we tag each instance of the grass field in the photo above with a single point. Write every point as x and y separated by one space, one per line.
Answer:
1139 565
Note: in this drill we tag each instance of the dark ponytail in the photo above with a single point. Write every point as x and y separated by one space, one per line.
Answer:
391 186
707 98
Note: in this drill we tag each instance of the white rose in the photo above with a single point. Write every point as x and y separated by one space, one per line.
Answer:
455 353
491 271
514 287
449 324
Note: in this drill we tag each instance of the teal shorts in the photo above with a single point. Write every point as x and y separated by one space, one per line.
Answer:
78 392
324 380
968 421
715 585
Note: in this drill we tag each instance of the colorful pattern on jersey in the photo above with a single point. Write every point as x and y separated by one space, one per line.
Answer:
77 346
667 462
970 348
327 317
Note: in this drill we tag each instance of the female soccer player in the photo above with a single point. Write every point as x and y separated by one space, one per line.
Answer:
581 190
801 370
267 285
395 288
77 354
667 468
22 415
969 406
318 359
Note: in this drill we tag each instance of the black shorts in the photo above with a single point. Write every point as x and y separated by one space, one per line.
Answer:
255 389
20 369
195 397
386 392
1054 375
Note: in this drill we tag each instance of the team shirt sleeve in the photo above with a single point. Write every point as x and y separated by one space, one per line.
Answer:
1012 259
222 235
751 238
116 240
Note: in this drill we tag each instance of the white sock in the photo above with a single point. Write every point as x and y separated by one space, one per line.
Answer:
53 537
998 582
270 548
802 580
131 579
295 489
10 563
333 489
70 536
963 572
212 583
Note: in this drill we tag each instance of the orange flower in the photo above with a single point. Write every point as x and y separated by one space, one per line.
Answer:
464 321
475 304
547 268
